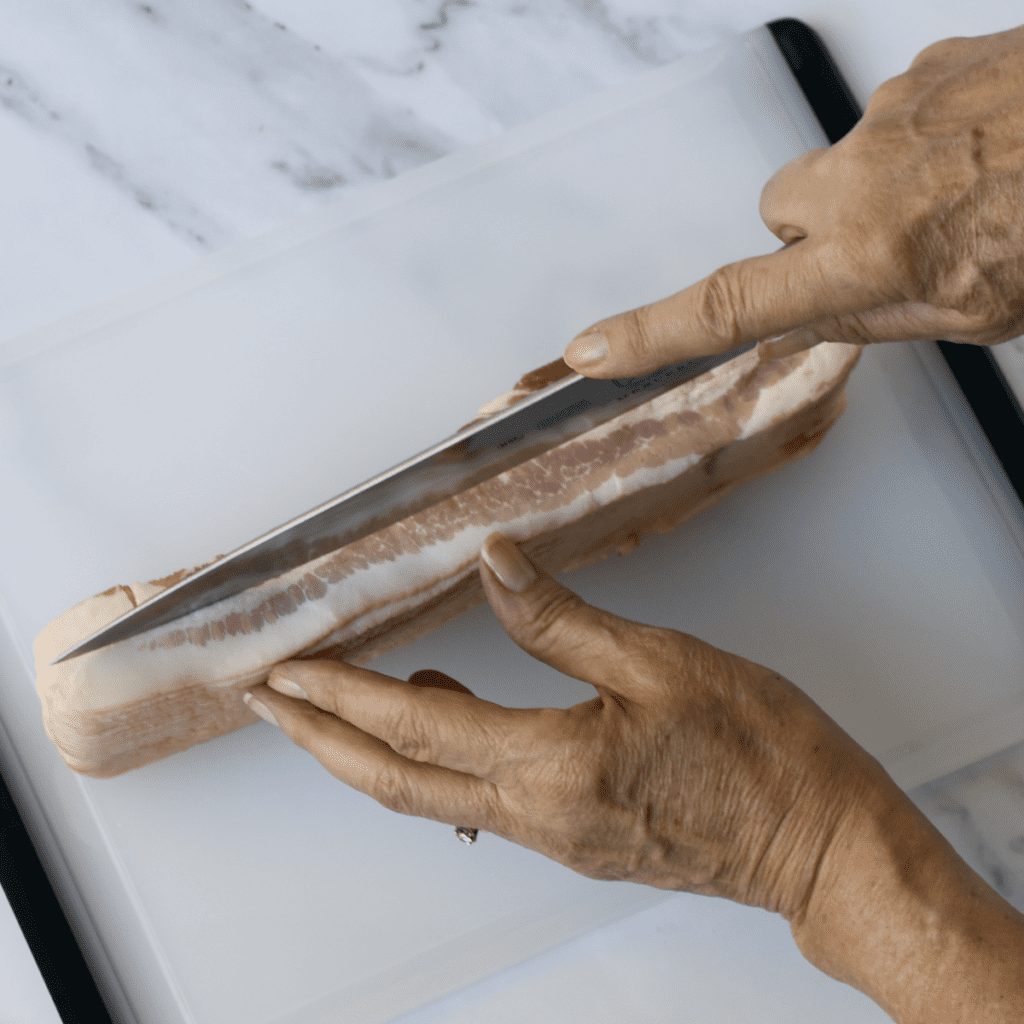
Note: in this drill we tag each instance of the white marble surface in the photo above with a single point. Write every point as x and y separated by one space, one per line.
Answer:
138 137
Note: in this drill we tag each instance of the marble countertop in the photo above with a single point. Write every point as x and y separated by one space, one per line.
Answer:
139 137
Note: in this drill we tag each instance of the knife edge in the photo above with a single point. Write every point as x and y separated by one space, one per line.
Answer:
538 422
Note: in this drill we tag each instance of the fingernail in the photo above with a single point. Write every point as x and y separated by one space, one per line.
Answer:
788 344
260 708
587 350
768 348
508 563
286 686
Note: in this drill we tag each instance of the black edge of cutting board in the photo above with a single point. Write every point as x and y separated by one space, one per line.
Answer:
996 408
42 922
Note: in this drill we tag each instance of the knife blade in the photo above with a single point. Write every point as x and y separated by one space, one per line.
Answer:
557 413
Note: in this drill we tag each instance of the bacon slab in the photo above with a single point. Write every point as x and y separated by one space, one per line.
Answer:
647 470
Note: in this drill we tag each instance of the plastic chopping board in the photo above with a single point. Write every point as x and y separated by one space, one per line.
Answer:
237 882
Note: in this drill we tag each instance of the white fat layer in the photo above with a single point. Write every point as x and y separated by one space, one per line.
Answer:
795 389
135 669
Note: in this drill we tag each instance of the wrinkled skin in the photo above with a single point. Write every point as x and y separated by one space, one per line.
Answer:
912 226
691 769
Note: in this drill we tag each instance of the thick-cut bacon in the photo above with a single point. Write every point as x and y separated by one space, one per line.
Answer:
647 470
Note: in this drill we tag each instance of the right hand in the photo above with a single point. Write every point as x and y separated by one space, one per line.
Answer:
691 769
912 226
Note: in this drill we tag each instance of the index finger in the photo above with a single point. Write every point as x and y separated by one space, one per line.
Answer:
746 301
370 765
449 728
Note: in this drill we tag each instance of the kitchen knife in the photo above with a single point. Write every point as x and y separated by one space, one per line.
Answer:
557 413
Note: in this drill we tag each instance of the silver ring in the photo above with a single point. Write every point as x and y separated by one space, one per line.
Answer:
467 835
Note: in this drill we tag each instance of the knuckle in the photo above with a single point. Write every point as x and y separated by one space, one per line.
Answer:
553 727
331 701
889 92
496 748
550 621
638 331
404 733
940 51
784 198
892 248
846 330
393 790
717 306
853 331
690 658
656 654
495 815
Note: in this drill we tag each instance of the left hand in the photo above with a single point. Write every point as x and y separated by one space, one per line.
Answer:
692 769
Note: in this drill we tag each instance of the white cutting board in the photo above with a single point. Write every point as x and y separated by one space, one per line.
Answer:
237 881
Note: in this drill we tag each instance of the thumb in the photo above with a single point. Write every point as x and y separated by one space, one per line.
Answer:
552 623
756 298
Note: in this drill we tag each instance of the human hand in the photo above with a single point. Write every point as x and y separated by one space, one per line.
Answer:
912 226
691 769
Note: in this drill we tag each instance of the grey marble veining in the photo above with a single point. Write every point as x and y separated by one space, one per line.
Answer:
138 136
141 135
980 810
233 123
223 118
